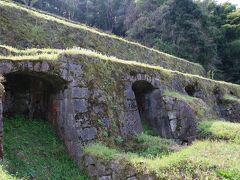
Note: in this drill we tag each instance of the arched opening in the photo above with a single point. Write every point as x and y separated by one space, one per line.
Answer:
31 95
142 90
152 110
190 89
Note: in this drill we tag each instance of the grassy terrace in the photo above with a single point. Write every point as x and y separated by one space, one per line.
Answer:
55 54
231 98
204 159
220 130
33 151
32 28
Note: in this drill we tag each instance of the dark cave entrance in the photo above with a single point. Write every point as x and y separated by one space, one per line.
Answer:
150 106
142 90
31 95
190 90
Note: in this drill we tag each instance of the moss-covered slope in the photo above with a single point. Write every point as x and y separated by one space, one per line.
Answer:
217 158
22 27
102 68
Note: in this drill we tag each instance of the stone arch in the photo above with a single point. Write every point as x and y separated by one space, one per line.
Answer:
142 90
151 108
39 87
32 94
191 89
67 98
131 120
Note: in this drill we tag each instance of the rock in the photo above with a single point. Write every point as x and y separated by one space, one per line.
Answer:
80 105
88 134
132 178
80 93
5 67
129 94
92 171
172 115
173 125
88 160
106 123
105 178
101 169
45 66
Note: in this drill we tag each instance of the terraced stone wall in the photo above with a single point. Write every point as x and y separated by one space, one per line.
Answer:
21 27
94 100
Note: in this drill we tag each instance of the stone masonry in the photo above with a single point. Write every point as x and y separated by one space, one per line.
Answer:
80 113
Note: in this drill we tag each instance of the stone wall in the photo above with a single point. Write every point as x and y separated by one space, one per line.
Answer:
90 105
102 169
1 128
56 32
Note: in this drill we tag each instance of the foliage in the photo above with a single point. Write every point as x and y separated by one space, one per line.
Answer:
202 160
152 146
215 129
100 150
4 174
55 34
200 31
33 151
147 128
231 98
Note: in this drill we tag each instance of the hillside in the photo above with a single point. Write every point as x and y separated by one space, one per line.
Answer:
72 96
30 28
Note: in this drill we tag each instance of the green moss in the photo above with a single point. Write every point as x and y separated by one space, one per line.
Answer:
33 151
215 129
100 150
179 96
202 160
31 28
198 105
152 146
231 98
106 73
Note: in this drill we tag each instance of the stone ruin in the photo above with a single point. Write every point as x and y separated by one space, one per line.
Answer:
90 97
63 95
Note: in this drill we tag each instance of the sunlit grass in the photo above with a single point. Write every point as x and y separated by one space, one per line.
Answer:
202 160
180 96
33 151
54 54
231 98
63 21
221 130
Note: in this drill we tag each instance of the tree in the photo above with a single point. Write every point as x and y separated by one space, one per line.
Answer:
176 27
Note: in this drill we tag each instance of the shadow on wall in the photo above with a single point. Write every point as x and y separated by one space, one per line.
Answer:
150 107
32 95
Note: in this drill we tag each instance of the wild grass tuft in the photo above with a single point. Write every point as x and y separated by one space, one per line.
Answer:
33 151
180 96
100 150
231 98
221 130
152 146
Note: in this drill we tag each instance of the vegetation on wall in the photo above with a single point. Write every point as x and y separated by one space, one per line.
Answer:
34 29
204 159
200 31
